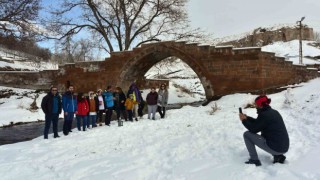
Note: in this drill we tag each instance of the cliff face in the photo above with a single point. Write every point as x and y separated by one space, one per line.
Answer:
264 36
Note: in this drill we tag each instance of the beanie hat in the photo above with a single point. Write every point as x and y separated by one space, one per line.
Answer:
262 100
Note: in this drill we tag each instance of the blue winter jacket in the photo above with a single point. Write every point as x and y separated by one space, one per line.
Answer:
108 98
69 102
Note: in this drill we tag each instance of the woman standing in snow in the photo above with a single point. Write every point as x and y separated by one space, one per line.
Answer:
83 110
162 100
120 99
101 106
93 109
152 99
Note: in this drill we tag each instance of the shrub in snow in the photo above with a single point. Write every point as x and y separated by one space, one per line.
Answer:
33 105
21 105
214 109
289 99
250 105
250 102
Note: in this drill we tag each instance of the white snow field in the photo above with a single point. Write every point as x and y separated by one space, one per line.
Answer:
189 144
290 50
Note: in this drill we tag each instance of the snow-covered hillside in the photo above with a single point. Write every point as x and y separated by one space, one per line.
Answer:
290 50
188 144
9 60
314 25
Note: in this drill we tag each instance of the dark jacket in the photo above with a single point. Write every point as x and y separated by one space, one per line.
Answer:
270 123
152 98
119 101
47 103
69 102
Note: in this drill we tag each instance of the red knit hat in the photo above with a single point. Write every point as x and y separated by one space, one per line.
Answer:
262 100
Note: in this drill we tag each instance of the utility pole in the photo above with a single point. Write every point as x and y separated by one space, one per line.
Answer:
300 40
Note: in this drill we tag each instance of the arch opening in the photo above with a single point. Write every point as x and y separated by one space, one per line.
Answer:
139 65
183 83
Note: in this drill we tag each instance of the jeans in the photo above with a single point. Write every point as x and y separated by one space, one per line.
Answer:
93 119
67 124
130 115
84 122
108 116
100 116
152 109
123 112
162 111
135 110
251 140
48 119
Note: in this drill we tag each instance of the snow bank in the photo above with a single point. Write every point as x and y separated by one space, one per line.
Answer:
188 144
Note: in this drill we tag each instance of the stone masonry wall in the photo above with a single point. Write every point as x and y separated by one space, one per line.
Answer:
28 79
221 70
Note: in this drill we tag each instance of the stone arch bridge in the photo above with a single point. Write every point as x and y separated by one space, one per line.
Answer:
222 70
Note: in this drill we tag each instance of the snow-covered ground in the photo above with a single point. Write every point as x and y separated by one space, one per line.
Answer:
15 108
188 144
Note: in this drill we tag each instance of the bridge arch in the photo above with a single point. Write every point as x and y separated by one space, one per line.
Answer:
137 66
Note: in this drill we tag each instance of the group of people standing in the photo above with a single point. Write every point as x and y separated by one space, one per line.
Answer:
89 109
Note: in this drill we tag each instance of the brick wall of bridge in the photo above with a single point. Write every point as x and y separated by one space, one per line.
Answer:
222 70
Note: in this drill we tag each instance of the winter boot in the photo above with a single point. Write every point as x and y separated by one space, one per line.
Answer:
255 162
279 159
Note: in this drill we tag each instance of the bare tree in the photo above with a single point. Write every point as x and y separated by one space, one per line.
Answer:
17 16
123 24
70 51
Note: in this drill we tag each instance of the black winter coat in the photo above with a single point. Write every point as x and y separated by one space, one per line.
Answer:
120 100
47 103
152 98
270 123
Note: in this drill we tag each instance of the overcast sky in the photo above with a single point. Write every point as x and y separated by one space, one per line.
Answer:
230 17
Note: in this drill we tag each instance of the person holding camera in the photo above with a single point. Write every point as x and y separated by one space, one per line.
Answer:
274 137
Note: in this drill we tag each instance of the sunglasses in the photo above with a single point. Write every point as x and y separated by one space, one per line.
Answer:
54 90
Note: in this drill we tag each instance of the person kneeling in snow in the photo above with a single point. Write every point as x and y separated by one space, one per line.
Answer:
274 138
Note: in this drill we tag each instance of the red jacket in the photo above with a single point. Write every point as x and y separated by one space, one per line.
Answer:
83 108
